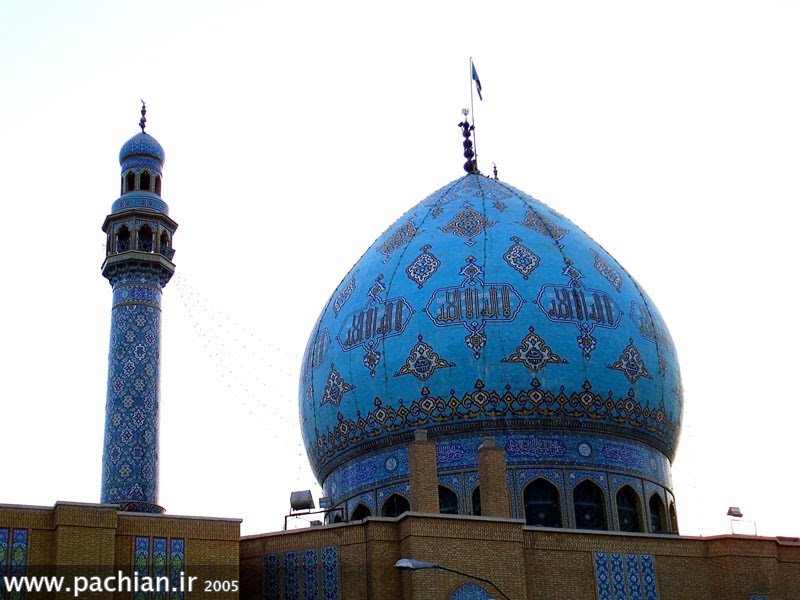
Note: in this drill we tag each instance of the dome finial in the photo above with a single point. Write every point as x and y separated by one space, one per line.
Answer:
143 120
471 166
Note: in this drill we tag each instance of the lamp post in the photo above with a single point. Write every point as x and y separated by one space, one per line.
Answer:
413 565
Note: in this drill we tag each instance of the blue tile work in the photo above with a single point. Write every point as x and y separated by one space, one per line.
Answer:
367 499
368 472
13 559
483 310
160 564
625 577
404 489
552 456
618 577
310 575
130 453
602 576
291 581
272 573
649 578
330 573
3 559
165 561
453 481
177 566
633 571
470 591
141 562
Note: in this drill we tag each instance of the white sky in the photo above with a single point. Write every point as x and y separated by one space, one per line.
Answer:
296 132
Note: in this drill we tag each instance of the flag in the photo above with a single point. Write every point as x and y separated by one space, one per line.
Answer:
477 81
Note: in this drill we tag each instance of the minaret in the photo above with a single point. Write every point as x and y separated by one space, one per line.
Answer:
138 265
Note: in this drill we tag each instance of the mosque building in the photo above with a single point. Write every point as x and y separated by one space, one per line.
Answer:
489 400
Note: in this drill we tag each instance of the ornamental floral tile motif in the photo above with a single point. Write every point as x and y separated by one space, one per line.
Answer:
468 223
335 388
422 362
534 353
630 363
423 267
521 258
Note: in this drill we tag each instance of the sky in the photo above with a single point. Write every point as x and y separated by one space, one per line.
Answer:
297 132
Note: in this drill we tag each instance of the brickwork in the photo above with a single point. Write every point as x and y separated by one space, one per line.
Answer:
523 562
422 474
529 563
87 540
495 501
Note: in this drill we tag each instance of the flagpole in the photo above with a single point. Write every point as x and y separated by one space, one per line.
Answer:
472 109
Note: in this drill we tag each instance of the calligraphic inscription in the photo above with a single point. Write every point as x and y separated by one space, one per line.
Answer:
584 307
544 225
377 320
536 447
344 295
316 354
627 456
607 271
473 304
448 453
652 330
398 237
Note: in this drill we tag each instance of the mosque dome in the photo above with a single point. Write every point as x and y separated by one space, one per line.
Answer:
142 144
482 311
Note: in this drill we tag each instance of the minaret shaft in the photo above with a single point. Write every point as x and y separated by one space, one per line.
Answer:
130 452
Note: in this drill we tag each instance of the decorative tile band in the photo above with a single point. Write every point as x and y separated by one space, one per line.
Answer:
317 566
151 560
625 576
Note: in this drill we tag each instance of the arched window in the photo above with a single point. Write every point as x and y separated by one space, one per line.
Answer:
123 243
337 518
658 518
673 518
448 501
542 504
476 501
361 511
158 185
590 506
130 181
164 243
121 186
144 181
145 239
395 506
628 509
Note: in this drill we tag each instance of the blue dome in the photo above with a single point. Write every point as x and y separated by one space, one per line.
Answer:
142 144
482 311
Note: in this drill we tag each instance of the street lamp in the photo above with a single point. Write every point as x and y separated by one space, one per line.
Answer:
413 565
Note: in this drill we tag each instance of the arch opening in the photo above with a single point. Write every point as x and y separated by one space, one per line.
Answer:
628 510
395 506
590 506
542 504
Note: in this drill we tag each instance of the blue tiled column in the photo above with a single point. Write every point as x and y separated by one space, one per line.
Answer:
130 452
